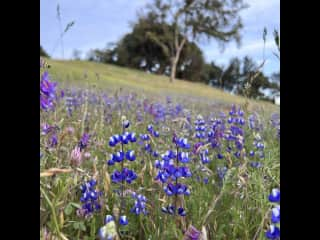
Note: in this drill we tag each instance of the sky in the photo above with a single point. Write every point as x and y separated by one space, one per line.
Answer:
99 22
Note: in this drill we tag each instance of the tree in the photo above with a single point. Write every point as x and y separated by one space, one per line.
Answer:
252 80
229 77
194 19
43 53
137 50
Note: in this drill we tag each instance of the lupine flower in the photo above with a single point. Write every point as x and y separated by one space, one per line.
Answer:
275 214
183 157
125 175
170 209
84 141
130 155
171 189
204 157
183 143
273 232
108 219
46 128
205 180
53 140
256 164
47 92
90 197
181 212
112 160
123 220
275 195
192 234
144 137
220 156
222 172
139 204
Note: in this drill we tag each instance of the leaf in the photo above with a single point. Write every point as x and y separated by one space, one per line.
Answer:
68 209
82 227
76 205
76 225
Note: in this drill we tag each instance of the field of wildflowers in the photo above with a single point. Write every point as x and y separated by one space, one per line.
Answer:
121 165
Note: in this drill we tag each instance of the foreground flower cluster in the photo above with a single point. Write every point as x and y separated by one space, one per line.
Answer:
127 165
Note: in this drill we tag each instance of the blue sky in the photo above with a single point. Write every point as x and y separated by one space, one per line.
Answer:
98 22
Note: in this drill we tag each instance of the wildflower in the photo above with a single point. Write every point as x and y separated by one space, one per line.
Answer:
205 180
47 92
170 209
220 156
130 155
192 234
222 172
204 157
89 198
84 141
113 141
171 189
275 216
108 219
275 195
183 143
76 156
54 141
139 204
125 175
119 156
256 164
273 232
181 212
70 130
123 220
183 157
132 137
46 128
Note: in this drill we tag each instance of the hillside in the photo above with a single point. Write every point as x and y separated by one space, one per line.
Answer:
105 76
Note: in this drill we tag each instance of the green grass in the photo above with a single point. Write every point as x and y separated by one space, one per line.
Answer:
225 210
115 77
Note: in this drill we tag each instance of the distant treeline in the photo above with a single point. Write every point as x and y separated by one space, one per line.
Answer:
43 53
135 50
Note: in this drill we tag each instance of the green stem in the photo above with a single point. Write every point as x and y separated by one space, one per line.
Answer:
52 211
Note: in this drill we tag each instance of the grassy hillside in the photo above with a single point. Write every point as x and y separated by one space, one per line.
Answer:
114 77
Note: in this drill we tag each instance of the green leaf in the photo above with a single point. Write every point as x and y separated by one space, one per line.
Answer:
68 209
76 205
76 225
82 226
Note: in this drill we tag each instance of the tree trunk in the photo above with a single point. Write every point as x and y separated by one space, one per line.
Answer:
174 63
175 60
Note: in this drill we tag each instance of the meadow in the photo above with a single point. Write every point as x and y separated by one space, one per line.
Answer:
127 155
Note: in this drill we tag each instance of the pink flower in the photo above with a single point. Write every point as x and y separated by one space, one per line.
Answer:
87 155
76 157
70 130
